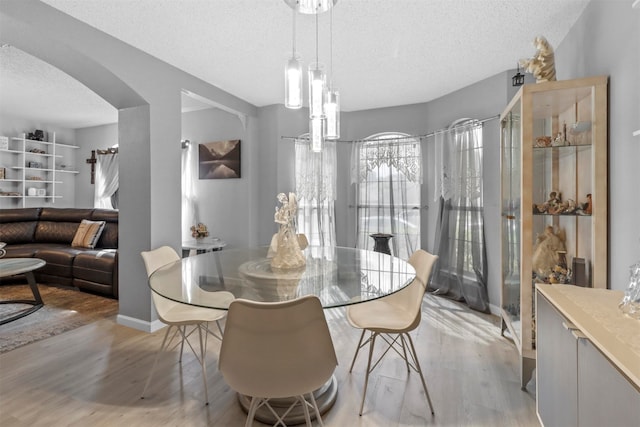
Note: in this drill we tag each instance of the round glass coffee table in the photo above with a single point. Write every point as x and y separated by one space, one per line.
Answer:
26 266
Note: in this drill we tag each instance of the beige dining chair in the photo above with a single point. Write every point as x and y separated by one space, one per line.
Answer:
273 350
392 318
179 315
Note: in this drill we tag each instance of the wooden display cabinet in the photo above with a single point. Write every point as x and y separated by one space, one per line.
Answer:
554 198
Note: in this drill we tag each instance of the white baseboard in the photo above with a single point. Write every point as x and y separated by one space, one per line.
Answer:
141 325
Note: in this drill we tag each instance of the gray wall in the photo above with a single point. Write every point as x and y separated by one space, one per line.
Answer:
606 41
221 202
91 138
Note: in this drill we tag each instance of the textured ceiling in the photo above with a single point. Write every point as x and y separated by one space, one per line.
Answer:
385 52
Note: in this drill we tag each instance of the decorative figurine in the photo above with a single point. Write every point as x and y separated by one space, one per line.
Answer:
546 252
288 254
588 206
551 206
542 64
199 231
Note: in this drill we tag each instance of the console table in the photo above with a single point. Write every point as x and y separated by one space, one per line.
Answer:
588 371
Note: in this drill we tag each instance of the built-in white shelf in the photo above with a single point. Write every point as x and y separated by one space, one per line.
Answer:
16 156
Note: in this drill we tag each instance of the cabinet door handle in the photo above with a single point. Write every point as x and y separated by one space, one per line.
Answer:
577 333
569 326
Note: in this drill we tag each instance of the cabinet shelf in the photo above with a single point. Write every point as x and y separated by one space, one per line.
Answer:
568 215
539 241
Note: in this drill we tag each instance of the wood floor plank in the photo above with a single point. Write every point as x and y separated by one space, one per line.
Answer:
94 375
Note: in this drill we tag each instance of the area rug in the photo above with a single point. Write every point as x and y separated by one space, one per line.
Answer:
65 308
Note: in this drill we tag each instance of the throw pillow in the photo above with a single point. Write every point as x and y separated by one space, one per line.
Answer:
88 234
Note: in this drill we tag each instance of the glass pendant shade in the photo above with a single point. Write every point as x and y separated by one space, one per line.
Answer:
317 90
332 111
293 83
316 133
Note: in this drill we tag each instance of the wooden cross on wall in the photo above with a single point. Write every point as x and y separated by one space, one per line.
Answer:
92 160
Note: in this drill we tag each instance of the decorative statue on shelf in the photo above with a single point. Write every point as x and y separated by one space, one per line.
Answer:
630 304
288 253
547 253
542 64
587 208
199 231
551 206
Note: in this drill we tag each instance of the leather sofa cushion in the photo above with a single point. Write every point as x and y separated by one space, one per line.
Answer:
65 214
95 265
25 250
20 214
56 232
17 232
109 237
59 260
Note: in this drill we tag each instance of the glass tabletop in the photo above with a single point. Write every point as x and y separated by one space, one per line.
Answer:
338 276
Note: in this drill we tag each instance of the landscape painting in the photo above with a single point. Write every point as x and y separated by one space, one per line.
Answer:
219 160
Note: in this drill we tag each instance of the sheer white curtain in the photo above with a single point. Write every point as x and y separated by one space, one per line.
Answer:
189 197
387 171
106 180
460 272
316 192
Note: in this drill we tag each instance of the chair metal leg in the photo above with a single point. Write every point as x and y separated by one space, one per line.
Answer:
184 337
155 362
419 370
252 411
404 352
203 364
366 378
315 407
357 350
305 408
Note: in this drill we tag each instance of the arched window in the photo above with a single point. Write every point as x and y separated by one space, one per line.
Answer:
387 171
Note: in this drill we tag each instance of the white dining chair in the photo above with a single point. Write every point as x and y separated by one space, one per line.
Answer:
178 316
274 350
392 318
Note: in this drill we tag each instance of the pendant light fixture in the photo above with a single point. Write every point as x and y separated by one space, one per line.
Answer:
332 101
293 76
324 102
317 93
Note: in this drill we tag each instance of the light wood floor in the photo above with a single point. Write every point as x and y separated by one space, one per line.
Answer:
93 376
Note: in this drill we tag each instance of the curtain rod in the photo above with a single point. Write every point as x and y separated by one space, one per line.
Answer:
421 137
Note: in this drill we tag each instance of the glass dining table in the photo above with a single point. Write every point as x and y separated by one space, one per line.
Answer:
338 276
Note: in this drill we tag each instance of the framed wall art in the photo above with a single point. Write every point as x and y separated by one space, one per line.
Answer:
219 159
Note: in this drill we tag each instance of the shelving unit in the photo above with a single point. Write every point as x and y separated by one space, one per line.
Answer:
554 186
36 165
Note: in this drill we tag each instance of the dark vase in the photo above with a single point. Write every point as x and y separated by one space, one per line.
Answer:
381 243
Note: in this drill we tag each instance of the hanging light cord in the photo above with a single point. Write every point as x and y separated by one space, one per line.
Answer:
316 39
331 48
294 33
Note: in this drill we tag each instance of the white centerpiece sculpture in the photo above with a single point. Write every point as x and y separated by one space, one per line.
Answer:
288 253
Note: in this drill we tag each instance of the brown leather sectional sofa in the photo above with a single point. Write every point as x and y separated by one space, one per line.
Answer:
47 233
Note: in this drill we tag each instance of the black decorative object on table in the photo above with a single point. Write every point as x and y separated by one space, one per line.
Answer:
381 243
